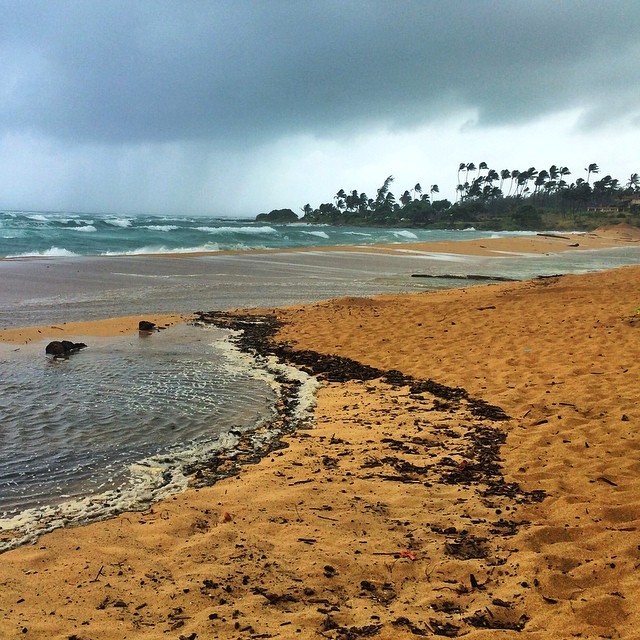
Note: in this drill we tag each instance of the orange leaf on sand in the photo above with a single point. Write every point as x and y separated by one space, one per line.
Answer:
405 553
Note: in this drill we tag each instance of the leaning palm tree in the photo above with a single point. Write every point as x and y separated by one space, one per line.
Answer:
592 168
504 174
469 167
461 168
434 189
491 177
384 189
418 188
563 172
515 174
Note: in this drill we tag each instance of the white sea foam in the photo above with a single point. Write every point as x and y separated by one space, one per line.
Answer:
86 229
510 234
269 370
53 252
209 247
37 217
319 234
119 222
405 234
161 227
151 480
441 257
248 230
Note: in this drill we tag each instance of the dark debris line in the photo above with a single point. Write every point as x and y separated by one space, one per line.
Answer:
478 446
255 334
258 336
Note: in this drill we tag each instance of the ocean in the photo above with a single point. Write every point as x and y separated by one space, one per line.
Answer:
45 234
114 427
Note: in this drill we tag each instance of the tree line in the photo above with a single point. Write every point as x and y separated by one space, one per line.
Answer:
490 198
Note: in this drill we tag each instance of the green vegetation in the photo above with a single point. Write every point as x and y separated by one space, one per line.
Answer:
491 199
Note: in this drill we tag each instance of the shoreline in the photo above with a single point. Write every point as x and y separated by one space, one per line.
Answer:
131 278
104 328
380 547
520 242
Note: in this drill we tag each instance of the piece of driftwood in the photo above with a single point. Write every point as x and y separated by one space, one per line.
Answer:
463 276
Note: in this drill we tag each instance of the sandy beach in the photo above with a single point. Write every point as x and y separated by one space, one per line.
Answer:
471 470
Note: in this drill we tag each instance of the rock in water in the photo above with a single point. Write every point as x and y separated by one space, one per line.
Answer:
145 325
62 348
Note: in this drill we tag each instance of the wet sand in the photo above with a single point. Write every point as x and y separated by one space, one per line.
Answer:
410 508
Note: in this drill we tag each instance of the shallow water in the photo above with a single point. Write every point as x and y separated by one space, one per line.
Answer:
71 428
44 291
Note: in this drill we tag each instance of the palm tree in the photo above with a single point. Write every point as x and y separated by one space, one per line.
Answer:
515 174
482 167
633 182
436 189
525 177
540 181
492 176
460 168
405 198
563 172
469 167
592 168
383 190
417 188
504 174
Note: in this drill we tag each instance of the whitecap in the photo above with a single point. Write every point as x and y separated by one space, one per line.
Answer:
405 234
319 234
161 227
86 229
209 247
250 230
53 252
119 222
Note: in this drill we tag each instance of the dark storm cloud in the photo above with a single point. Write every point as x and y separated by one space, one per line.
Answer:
152 71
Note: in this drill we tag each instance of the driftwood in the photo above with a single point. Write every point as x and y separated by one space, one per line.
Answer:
463 276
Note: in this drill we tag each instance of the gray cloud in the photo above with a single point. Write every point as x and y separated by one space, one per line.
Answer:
243 72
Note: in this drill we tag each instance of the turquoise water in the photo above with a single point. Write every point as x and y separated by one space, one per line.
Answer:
31 233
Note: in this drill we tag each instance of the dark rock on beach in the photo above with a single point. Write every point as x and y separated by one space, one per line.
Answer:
63 348
145 325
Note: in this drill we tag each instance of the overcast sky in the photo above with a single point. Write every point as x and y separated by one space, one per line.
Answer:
238 107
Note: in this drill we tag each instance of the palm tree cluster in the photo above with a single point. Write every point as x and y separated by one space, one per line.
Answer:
521 183
358 206
481 193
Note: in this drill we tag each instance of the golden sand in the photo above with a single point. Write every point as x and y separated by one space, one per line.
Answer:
107 327
365 526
